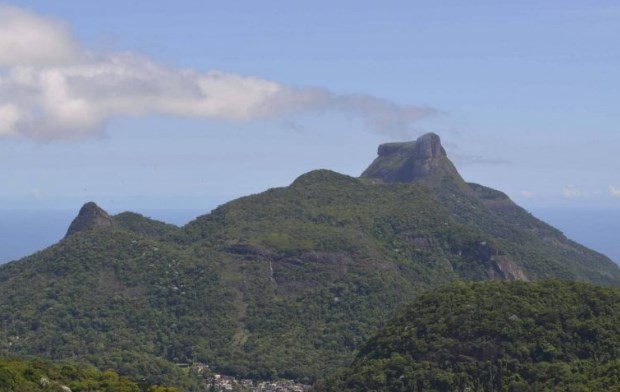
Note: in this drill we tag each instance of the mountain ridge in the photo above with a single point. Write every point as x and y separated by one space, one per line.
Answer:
285 283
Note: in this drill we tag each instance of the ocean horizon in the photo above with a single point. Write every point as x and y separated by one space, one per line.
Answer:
24 232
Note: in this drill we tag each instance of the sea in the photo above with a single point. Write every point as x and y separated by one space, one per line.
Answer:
596 228
24 232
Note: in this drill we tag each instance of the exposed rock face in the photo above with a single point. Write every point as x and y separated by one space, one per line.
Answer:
89 218
509 270
427 155
422 160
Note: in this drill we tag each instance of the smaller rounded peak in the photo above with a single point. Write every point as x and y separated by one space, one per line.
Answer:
91 205
320 176
90 217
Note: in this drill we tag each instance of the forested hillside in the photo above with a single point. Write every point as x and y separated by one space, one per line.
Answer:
39 375
287 283
495 336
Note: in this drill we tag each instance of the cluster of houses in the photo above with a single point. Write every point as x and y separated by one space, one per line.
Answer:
222 383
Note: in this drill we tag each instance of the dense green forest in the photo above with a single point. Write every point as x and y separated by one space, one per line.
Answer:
495 336
38 375
289 283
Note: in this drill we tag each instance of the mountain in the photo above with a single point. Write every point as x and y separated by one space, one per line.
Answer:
539 249
287 283
90 217
423 160
494 336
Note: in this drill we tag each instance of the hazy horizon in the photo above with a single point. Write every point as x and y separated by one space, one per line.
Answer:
160 104
24 232
190 103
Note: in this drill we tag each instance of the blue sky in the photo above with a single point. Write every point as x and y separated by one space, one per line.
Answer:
188 104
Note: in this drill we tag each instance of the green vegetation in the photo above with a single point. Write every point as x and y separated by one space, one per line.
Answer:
108 297
543 251
288 283
147 227
495 336
38 375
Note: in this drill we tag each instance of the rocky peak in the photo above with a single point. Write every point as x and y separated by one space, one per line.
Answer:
429 147
90 217
422 160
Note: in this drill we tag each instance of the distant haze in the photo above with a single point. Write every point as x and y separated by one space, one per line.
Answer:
188 101
193 103
23 232
595 228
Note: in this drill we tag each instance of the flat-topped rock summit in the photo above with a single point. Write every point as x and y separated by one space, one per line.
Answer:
422 160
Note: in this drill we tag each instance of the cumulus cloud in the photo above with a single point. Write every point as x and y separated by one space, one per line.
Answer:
26 38
9 117
50 88
613 191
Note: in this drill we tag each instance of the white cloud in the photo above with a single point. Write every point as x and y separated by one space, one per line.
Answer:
50 89
572 192
9 117
527 194
615 192
26 38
